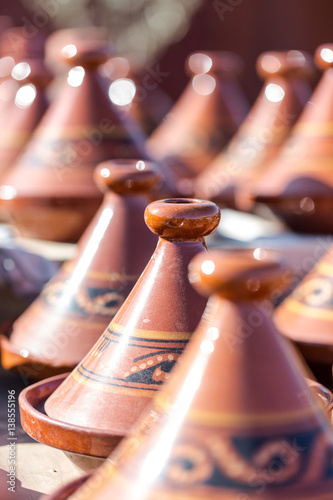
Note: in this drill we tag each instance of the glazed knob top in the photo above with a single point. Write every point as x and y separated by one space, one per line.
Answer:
237 274
127 177
324 56
32 71
85 53
182 219
290 63
221 62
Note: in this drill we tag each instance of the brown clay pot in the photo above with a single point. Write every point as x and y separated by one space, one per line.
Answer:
228 178
23 113
85 441
306 315
50 193
127 366
32 400
236 415
204 118
298 186
63 323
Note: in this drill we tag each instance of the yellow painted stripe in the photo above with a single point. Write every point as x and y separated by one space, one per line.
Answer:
314 130
151 334
311 312
81 133
325 268
260 419
111 388
48 313
162 402
69 266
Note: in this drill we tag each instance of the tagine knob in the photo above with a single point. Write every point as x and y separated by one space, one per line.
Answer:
182 218
127 177
243 274
291 63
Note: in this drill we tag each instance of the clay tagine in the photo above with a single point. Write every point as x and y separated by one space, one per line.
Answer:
111 386
298 186
50 193
236 415
306 317
23 113
63 323
204 118
286 90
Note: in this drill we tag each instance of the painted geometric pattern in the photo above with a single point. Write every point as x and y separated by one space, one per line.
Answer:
148 362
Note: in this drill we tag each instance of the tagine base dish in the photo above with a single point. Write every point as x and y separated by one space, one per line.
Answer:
52 219
72 439
302 215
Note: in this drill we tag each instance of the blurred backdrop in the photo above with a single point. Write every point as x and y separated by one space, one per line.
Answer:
165 31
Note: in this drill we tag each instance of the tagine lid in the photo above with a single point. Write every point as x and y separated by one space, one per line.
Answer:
306 315
229 411
302 168
70 314
230 176
141 345
76 133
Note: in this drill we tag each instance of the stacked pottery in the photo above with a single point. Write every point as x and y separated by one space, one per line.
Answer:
306 317
50 193
298 186
257 142
96 405
205 117
236 420
63 323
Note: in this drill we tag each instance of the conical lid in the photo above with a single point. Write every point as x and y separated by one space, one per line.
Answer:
306 315
65 321
298 186
81 128
205 116
23 113
236 420
260 136
123 371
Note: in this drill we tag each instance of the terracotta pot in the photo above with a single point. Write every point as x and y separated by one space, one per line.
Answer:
227 180
298 186
50 193
236 415
306 315
71 438
60 327
127 366
325 397
204 118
